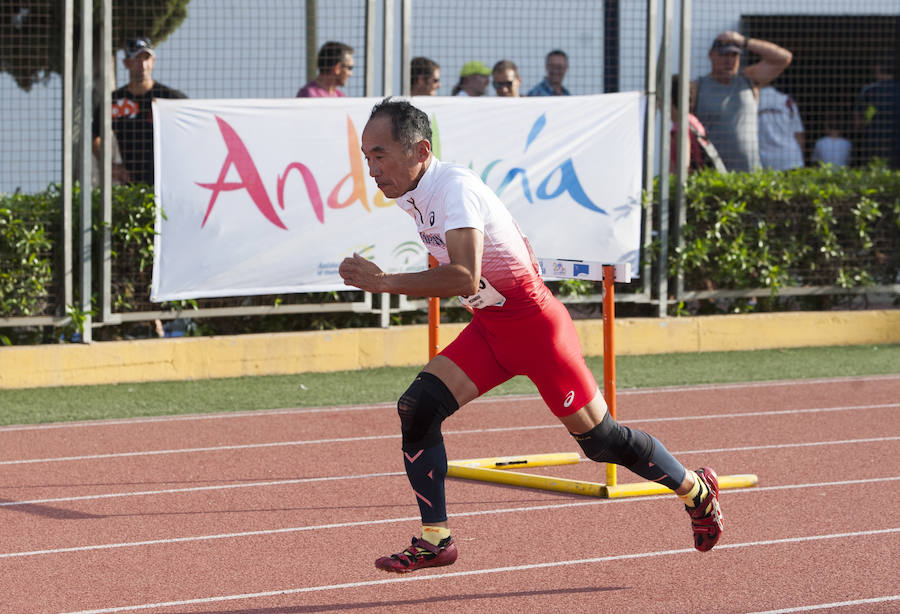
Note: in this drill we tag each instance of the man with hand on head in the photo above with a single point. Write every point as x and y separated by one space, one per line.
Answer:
518 328
726 100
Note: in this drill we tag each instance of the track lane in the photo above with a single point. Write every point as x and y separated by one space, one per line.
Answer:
234 566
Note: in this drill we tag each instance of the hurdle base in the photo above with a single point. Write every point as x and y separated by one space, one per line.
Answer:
641 489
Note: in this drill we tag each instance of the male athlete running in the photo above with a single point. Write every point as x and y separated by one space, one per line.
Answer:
518 328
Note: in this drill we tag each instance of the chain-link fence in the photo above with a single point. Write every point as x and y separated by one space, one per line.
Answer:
829 64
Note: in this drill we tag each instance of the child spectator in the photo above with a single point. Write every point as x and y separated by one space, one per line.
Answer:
832 148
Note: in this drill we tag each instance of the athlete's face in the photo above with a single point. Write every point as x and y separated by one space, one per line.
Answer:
395 169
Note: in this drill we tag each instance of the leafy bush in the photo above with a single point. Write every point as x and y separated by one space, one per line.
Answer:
26 252
824 226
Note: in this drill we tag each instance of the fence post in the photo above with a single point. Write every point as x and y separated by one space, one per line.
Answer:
649 137
68 104
85 74
387 57
106 77
406 48
312 44
683 158
370 48
664 83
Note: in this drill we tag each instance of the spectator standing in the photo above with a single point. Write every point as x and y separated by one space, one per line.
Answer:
132 114
875 114
832 148
556 65
506 79
473 79
424 77
335 64
781 138
726 100
701 153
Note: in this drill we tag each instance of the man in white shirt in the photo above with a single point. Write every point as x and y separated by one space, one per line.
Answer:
781 138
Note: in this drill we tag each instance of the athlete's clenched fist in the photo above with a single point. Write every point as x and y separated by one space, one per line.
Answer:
362 273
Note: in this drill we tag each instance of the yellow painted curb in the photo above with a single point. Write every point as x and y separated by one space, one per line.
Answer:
349 349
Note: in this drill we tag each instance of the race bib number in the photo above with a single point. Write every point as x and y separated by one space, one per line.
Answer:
487 296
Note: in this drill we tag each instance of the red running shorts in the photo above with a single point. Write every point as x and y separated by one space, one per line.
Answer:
544 347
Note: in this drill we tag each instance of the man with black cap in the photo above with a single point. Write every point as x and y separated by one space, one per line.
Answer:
132 117
726 100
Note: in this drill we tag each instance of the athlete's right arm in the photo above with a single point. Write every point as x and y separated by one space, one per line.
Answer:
460 276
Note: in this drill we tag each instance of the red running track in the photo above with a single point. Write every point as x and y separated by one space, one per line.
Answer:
285 511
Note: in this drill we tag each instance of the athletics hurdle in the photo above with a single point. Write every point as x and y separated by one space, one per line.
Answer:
497 470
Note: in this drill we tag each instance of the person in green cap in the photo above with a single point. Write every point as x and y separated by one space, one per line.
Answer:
473 79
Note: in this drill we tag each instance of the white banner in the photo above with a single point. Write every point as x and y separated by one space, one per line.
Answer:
268 196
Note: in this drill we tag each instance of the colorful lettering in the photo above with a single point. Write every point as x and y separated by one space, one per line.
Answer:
568 178
250 179
356 174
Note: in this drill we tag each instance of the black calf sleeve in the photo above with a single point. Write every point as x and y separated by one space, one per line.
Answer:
640 452
422 409
610 442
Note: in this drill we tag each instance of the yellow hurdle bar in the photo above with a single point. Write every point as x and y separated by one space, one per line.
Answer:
525 460
473 471
526 480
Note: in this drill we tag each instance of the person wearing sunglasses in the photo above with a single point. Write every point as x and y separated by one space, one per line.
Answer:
506 79
425 77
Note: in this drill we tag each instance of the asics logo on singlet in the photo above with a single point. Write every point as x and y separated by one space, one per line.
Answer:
570 398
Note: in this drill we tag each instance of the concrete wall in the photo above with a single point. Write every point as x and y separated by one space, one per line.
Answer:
349 349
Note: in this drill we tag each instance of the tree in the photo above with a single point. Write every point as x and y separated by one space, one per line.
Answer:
31 32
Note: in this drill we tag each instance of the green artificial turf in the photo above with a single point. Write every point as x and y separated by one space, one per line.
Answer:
384 385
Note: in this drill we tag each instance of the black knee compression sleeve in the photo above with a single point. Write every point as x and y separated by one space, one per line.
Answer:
610 442
422 408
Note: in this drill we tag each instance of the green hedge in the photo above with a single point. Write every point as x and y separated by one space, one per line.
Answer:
27 238
822 226
31 246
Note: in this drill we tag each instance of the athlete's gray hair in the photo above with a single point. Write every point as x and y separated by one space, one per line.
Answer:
409 125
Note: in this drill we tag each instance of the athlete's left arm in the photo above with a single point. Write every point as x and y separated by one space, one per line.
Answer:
459 277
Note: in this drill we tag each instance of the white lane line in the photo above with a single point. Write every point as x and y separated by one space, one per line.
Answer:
807 444
192 417
479 572
785 412
344 525
829 606
169 491
482 400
